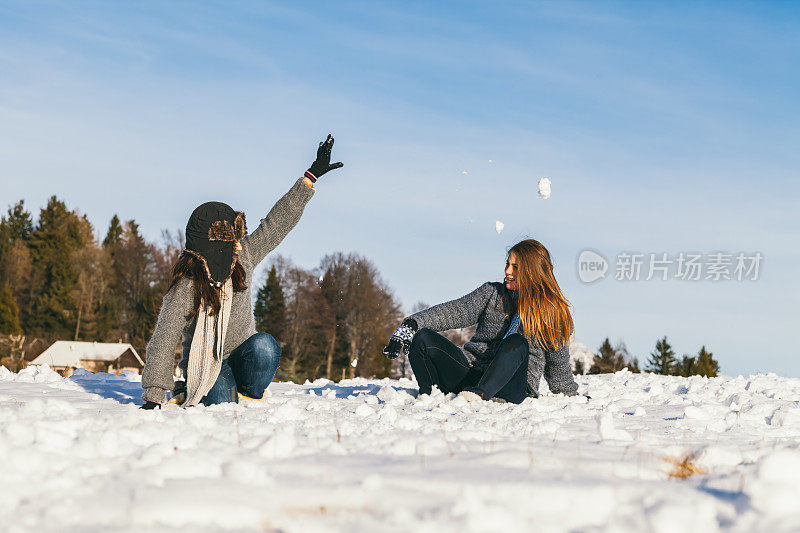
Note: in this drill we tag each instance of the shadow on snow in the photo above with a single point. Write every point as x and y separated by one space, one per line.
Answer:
344 391
121 389
112 386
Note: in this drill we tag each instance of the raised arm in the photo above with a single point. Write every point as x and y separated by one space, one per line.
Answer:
280 220
159 364
285 214
458 313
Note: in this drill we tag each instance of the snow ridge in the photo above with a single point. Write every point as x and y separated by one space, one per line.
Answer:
362 454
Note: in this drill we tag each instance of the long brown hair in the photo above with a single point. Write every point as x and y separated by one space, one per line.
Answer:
543 309
189 266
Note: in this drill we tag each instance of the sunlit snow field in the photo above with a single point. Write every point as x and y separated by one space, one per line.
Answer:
77 454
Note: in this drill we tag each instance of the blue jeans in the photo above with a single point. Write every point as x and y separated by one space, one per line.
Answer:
249 370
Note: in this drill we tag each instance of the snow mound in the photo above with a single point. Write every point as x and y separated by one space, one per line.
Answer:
776 489
31 374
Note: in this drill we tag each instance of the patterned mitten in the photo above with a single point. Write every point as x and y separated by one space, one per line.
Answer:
400 341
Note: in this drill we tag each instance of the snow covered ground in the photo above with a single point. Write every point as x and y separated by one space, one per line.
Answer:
77 455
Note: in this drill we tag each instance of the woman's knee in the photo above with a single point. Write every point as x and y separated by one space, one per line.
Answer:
516 340
423 337
265 347
516 346
419 344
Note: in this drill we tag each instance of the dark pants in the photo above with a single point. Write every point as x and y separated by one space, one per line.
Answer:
437 361
249 369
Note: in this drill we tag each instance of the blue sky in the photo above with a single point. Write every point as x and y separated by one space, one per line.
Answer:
664 127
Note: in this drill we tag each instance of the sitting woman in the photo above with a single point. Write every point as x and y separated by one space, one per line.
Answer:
208 302
523 330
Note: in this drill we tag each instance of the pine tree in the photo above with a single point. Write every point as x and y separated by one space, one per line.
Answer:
662 360
15 226
270 306
9 312
114 233
110 306
706 364
687 366
633 365
58 235
609 359
15 264
20 223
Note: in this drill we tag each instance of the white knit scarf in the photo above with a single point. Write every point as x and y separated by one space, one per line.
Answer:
205 355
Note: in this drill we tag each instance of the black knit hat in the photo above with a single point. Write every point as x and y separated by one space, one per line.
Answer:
211 232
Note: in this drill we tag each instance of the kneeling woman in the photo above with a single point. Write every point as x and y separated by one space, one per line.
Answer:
523 330
208 302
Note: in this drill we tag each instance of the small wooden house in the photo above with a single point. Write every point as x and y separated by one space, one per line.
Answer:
113 358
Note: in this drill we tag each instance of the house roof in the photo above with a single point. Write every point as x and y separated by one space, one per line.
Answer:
69 353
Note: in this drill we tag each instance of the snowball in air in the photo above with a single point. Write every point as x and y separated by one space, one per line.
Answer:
498 226
544 188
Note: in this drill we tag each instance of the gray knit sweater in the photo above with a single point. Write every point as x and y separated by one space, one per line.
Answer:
175 320
485 307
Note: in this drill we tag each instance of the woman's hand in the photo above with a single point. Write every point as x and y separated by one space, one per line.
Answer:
151 405
323 163
400 341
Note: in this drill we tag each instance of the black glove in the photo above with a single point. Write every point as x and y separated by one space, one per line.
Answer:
323 161
151 405
400 341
